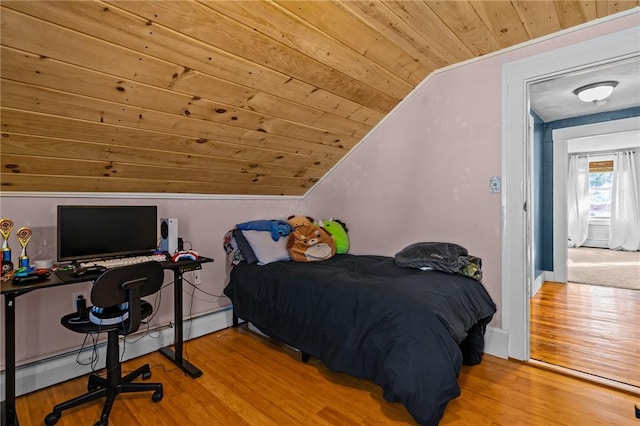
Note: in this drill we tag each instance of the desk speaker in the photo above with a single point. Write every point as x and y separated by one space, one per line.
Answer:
169 235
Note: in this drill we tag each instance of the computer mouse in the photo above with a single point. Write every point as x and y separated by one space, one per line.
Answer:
89 270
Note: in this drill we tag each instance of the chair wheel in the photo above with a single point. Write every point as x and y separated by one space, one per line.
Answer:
146 375
51 419
157 396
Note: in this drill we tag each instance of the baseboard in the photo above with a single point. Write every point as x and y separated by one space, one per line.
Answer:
50 371
47 372
596 243
537 283
496 342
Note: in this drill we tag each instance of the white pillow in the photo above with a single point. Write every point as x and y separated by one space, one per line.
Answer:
265 249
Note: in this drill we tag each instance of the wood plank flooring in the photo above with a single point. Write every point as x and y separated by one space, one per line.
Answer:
248 380
588 328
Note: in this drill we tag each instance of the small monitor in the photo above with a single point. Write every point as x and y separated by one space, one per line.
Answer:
98 232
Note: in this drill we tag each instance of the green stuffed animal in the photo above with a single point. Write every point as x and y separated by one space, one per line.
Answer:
338 231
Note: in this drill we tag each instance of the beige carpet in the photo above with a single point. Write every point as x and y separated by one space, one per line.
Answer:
610 268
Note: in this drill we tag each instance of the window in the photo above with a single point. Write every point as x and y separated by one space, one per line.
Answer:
600 184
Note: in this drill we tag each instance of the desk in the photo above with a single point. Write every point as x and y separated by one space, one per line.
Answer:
179 268
11 292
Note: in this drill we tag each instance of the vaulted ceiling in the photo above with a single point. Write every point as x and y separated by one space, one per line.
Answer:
227 97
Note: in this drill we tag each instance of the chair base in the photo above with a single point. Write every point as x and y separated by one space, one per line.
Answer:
99 387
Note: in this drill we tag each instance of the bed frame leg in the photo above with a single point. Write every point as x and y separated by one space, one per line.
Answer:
235 320
305 357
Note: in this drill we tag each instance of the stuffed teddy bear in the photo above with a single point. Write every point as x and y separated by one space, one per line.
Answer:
309 243
296 221
338 231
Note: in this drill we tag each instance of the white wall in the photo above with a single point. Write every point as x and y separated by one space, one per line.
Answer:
423 173
201 221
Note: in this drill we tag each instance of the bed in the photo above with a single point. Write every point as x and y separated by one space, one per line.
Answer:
406 329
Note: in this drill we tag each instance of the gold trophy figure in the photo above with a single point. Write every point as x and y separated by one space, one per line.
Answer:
24 235
6 225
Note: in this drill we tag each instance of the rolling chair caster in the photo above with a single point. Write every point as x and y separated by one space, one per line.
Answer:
51 419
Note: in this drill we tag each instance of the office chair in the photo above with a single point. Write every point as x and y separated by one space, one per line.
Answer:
113 288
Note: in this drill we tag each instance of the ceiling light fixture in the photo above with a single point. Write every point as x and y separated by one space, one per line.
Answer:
595 92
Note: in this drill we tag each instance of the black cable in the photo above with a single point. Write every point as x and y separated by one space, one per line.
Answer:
94 352
186 353
202 291
147 321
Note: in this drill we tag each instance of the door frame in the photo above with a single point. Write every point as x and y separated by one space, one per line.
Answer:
516 224
560 161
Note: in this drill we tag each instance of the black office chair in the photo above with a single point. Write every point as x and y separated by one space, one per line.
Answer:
121 287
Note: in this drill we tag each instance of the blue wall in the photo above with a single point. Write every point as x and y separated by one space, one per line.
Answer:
537 191
544 223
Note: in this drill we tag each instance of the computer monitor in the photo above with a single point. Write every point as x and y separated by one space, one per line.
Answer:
98 232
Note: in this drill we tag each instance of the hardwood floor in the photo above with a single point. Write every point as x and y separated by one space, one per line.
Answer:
588 328
249 380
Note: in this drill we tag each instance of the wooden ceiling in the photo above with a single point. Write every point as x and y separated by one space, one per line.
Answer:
227 97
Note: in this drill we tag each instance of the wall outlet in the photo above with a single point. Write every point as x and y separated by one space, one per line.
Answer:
197 277
76 294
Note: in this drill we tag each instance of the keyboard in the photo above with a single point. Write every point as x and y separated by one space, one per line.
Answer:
122 261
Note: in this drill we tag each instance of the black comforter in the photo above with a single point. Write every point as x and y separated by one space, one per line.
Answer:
406 329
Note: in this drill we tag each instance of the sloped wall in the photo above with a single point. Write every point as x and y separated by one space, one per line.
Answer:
423 173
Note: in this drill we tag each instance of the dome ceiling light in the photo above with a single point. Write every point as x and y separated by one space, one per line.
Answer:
595 92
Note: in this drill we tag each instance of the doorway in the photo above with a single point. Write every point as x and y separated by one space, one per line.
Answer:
627 127
517 272
584 328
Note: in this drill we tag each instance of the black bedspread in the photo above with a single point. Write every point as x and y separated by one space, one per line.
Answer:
406 329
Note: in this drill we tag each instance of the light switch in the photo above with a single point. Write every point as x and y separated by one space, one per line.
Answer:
494 184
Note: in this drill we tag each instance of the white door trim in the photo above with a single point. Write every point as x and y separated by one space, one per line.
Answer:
516 279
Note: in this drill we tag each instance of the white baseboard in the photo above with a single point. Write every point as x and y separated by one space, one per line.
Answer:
496 342
550 276
537 284
596 243
47 372
50 371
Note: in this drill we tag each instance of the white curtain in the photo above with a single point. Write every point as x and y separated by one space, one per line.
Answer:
624 227
578 200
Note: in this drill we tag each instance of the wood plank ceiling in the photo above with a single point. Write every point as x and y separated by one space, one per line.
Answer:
227 97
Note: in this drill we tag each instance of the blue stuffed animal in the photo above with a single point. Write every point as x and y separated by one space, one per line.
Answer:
278 228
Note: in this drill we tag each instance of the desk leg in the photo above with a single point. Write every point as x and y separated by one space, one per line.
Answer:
176 356
9 414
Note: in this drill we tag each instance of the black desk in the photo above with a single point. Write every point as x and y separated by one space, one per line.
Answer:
179 268
11 292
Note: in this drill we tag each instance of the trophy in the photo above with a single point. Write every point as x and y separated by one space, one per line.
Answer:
6 225
24 235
